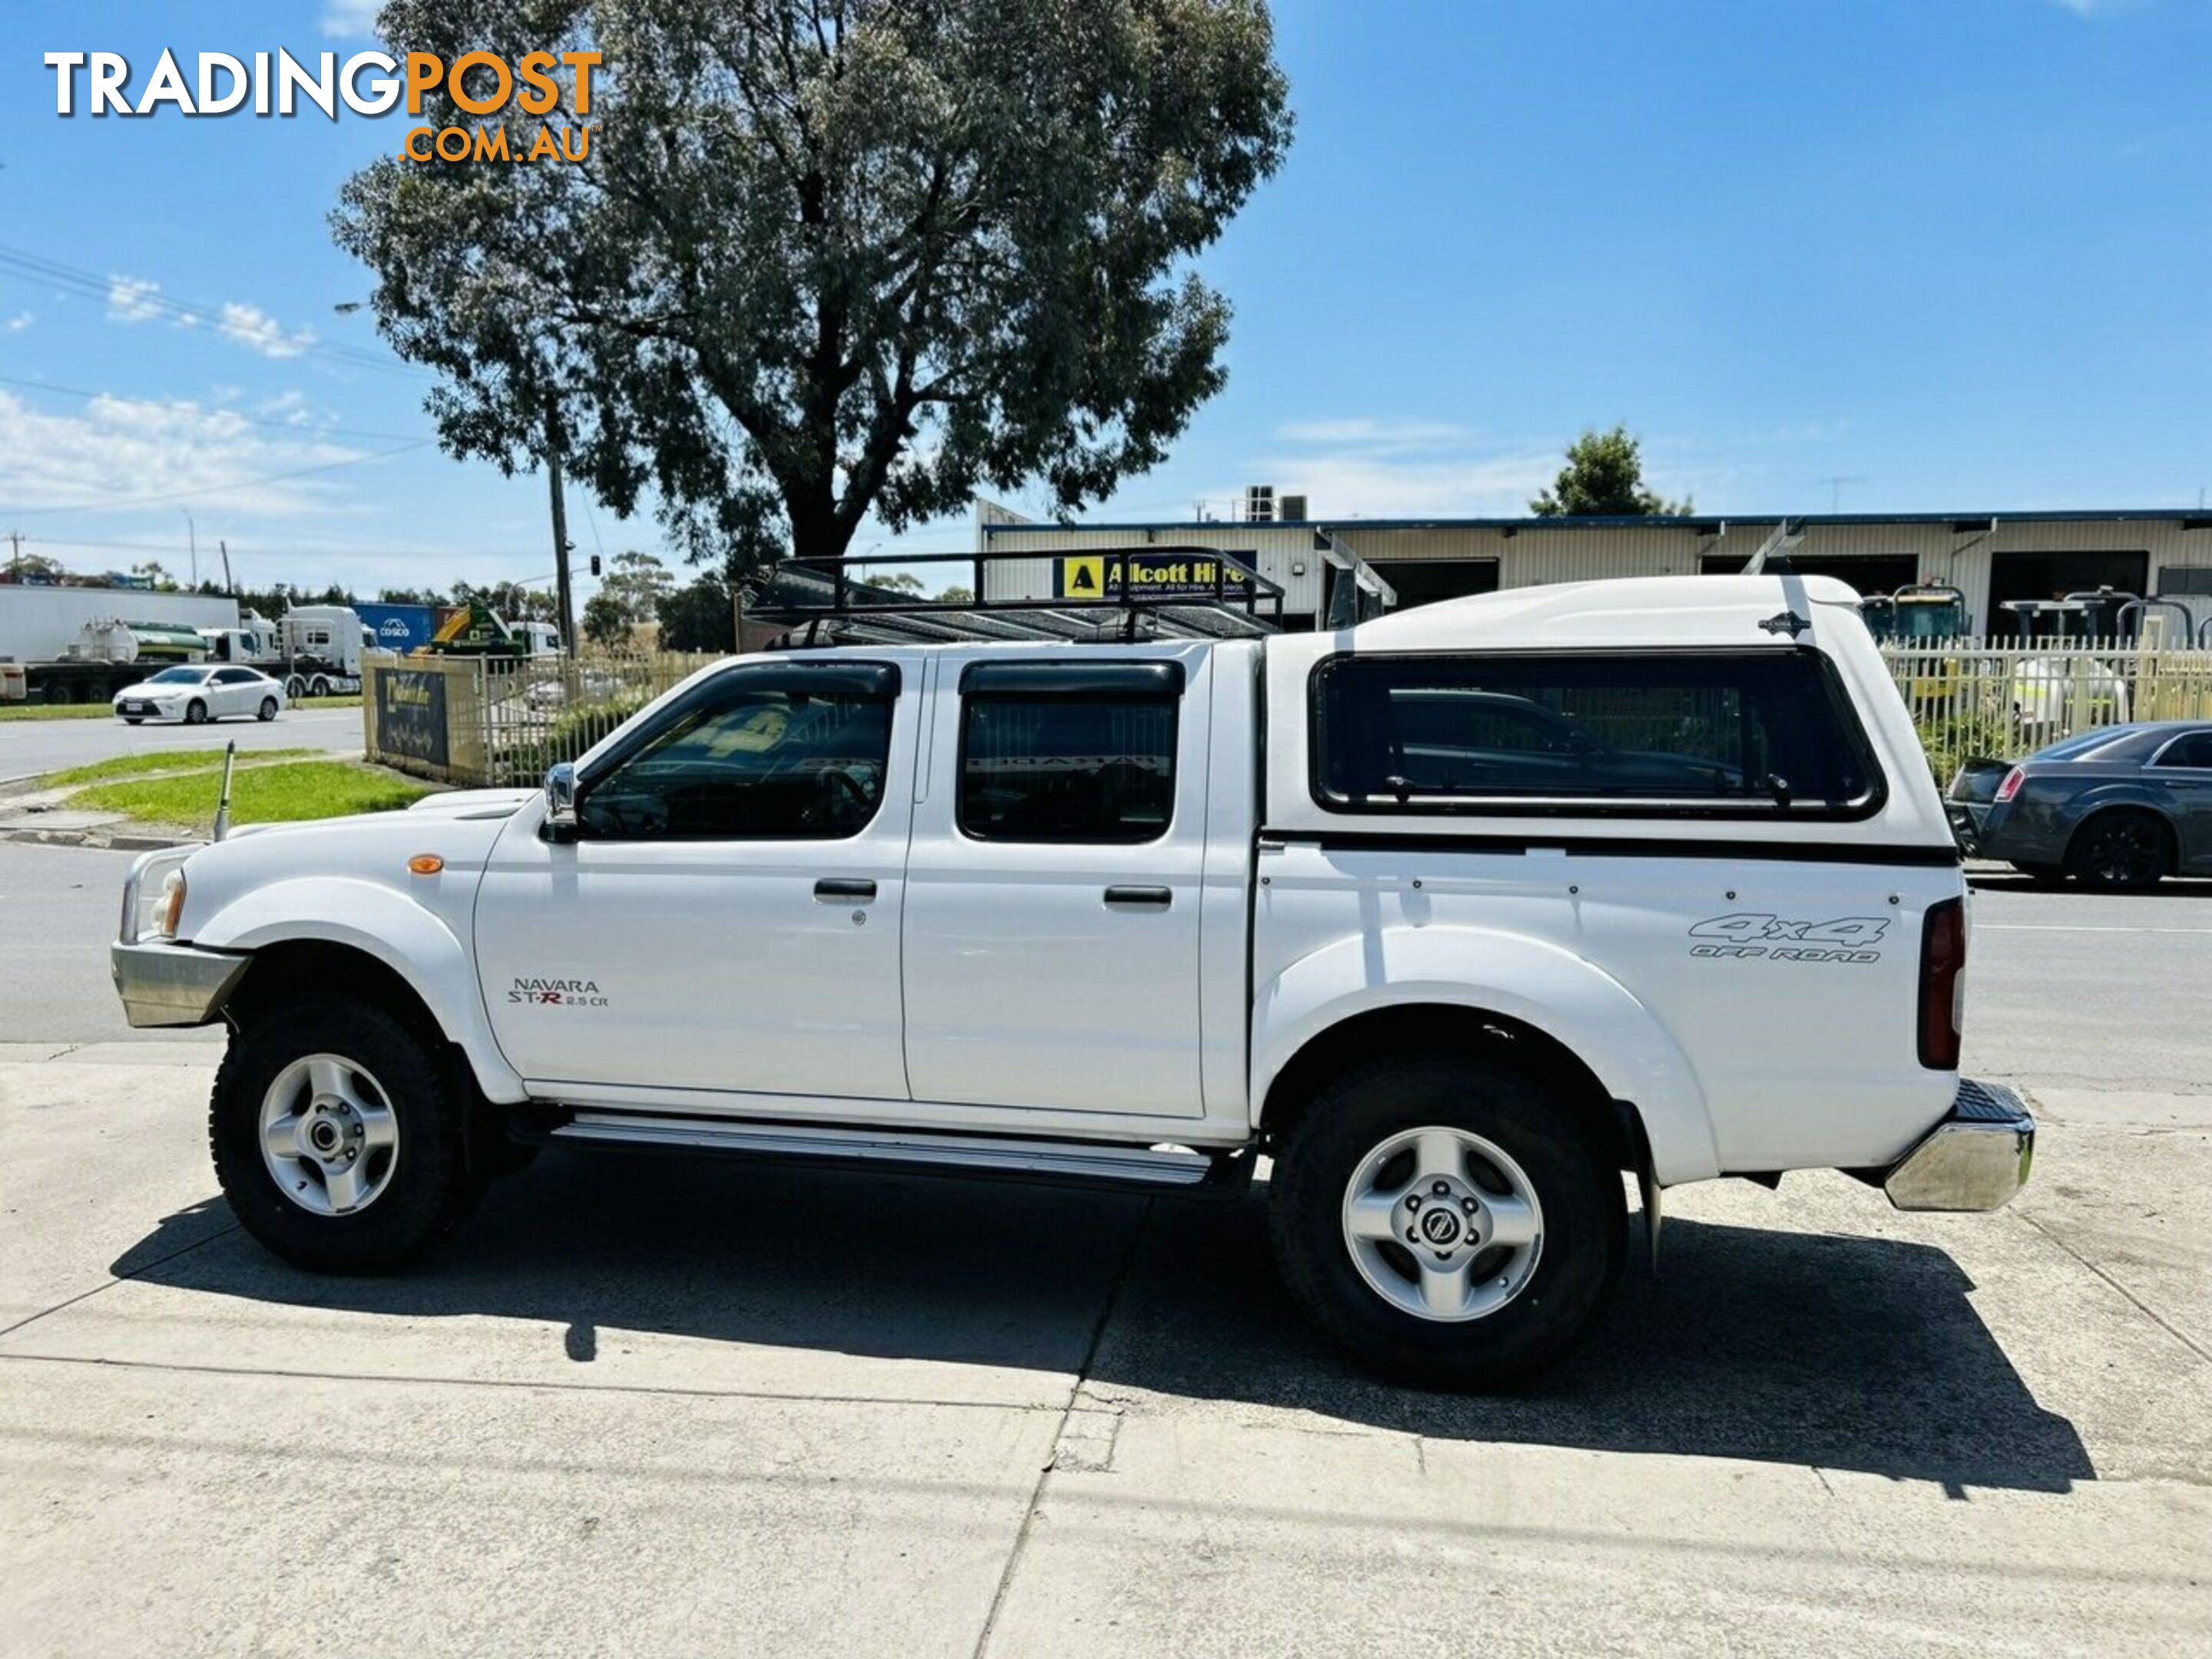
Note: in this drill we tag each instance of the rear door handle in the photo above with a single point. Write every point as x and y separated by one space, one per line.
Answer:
838 889
1140 898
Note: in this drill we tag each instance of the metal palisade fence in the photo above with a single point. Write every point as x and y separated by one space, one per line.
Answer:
501 722
1972 701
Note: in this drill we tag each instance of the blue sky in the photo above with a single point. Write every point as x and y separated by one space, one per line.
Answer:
1958 251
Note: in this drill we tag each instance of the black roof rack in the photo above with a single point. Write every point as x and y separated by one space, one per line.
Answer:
822 602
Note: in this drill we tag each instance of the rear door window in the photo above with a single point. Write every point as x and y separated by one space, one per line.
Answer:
1696 733
1074 752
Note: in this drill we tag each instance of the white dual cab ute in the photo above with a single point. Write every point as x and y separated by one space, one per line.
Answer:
1460 916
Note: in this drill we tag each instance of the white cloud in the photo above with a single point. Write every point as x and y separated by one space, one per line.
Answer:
343 20
255 329
19 322
120 449
1379 468
138 300
133 299
1344 486
1400 435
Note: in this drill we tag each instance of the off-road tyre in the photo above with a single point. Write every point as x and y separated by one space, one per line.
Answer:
430 1188
1584 1214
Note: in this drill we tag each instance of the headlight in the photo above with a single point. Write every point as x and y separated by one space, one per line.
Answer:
154 895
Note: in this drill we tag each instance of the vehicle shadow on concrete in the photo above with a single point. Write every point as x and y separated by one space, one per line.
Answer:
1840 1352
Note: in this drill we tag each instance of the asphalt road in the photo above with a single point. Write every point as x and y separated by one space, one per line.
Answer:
648 1405
27 747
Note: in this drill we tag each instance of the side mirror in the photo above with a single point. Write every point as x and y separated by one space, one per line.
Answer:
560 823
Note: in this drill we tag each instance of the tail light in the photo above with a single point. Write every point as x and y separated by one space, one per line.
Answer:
1942 984
2010 786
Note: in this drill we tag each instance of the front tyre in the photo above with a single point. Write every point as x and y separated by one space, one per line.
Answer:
195 712
337 1136
1447 1220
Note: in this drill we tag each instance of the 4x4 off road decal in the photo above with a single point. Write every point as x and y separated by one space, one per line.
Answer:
1776 939
558 993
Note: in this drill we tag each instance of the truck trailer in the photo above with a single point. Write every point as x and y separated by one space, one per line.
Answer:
85 644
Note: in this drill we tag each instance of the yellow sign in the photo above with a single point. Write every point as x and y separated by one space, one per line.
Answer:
1180 573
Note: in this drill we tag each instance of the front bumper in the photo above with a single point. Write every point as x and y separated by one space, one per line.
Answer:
165 984
1975 1159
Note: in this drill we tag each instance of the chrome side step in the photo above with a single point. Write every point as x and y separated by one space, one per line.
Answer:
1154 1168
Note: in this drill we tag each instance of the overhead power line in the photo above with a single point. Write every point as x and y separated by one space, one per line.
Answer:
148 297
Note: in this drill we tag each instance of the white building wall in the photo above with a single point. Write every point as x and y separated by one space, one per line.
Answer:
1531 554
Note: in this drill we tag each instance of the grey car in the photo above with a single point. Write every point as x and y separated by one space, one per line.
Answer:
2120 806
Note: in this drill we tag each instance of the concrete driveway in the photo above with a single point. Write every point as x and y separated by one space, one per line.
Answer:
653 1406
29 747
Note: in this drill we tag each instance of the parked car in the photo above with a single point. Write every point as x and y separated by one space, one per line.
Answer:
201 692
2120 806
1458 915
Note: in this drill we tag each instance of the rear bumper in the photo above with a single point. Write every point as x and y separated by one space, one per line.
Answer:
1967 818
1975 1159
165 984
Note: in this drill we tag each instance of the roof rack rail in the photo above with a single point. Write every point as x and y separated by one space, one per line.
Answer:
822 602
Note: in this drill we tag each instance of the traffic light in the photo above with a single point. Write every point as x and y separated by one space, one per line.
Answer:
595 564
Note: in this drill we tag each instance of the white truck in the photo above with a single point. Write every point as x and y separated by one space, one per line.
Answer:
85 644
1460 916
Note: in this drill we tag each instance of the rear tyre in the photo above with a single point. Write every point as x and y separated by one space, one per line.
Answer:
61 692
338 1137
295 688
1447 1221
2117 850
268 710
318 687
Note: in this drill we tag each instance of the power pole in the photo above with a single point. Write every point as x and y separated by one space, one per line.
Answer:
229 586
15 558
560 538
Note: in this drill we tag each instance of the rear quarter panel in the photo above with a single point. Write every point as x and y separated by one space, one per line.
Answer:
1751 986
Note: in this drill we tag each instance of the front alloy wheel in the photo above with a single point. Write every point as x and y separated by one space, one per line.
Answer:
337 1126
328 1135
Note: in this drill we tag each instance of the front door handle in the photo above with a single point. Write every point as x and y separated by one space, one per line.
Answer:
1139 898
838 889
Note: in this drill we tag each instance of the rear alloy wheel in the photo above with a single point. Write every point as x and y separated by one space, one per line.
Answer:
2117 850
268 711
195 712
1447 1220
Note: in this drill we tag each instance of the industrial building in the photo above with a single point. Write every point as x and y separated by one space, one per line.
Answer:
1991 557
